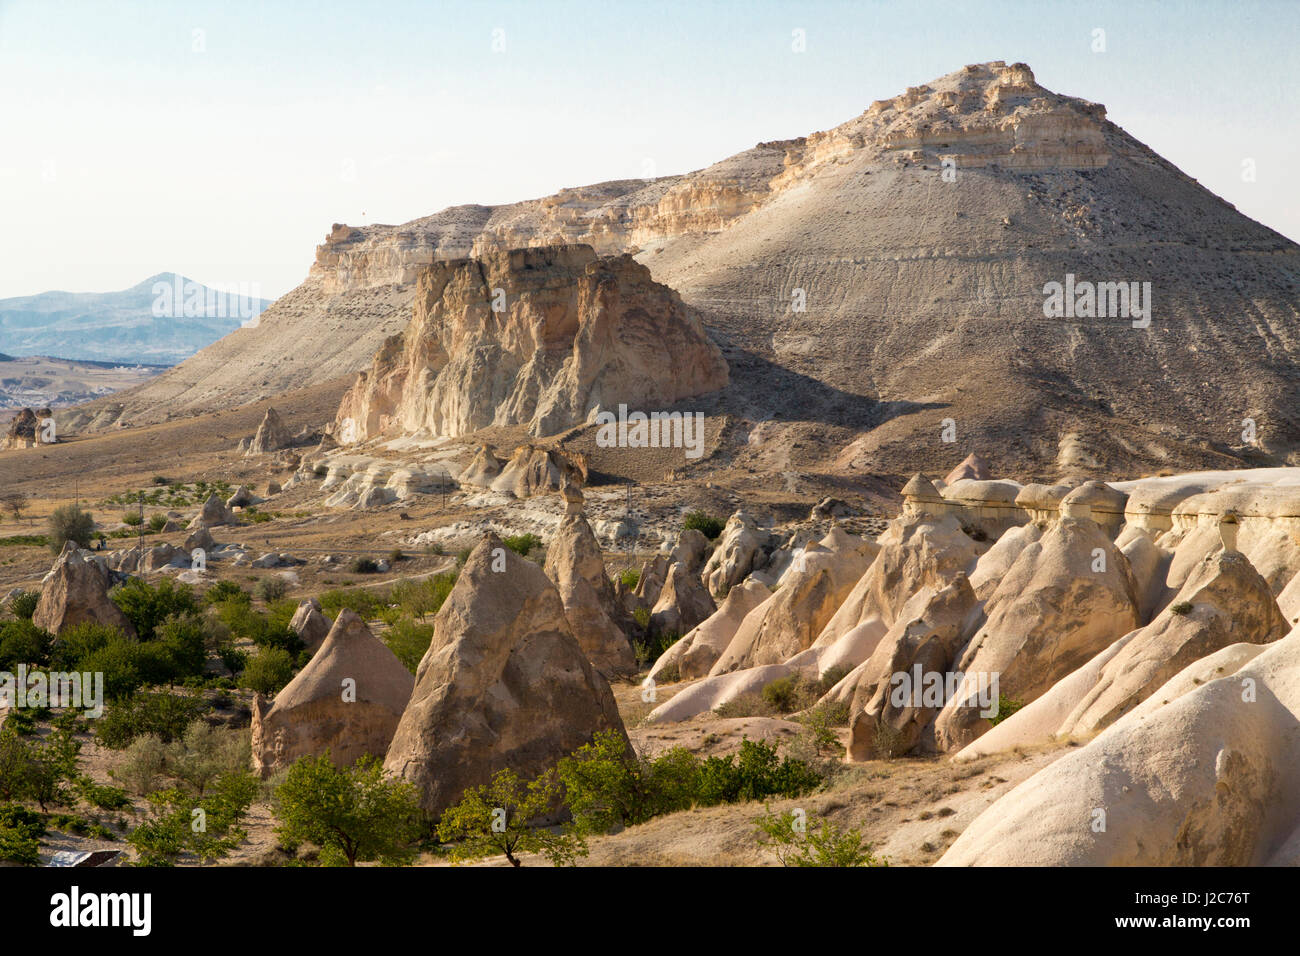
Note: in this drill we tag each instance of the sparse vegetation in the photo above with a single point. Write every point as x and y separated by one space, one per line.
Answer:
704 523
795 843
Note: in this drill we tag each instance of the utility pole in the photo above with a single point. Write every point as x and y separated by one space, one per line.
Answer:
142 529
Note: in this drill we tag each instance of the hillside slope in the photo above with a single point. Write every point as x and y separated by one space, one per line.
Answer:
922 235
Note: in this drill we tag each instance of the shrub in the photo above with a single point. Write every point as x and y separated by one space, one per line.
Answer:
641 616
157 521
204 753
170 833
784 693
504 816
522 544
363 566
630 578
23 604
20 832
225 591
181 642
69 523
270 590
268 671
364 602
1006 707
354 815
424 597
146 606
1182 608
887 741
22 642
409 640
142 764
232 659
395 555
824 844
166 715
754 773
607 784
132 518
102 797
745 705
819 724
705 524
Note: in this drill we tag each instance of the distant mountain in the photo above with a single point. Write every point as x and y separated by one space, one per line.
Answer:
161 321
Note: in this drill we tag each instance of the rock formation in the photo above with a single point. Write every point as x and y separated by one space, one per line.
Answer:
738 552
503 684
1066 597
214 512
310 624
575 564
271 435
540 337
899 690
75 592
347 700
1201 774
810 593
696 653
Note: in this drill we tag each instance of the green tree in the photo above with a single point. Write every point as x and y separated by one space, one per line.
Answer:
354 814
503 817
69 523
148 606
607 784
268 671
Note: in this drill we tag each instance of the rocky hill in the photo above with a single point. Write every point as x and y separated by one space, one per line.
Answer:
882 293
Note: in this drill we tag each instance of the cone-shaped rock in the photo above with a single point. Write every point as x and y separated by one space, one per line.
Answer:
575 563
272 434
348 700
503 684
310 624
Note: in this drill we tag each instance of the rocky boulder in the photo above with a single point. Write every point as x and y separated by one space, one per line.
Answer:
740 549
75 592
575 563
503 684
347 700
213 513
310 624
272 435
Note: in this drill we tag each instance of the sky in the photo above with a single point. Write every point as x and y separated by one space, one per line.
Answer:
221 140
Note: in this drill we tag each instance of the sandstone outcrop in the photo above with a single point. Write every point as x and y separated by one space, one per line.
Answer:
503 684
483 469
740 549
575 564
696 653
310 624
1205 777
271 435
347 700
542 337
533 470
75 592
792 618
1066 597
214 512
899 690
684 603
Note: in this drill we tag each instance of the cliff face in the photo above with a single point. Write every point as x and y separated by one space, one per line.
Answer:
543 337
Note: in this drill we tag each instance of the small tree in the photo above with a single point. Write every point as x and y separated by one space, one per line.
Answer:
207 828
823 844
503 817
354 814
70 523
268 671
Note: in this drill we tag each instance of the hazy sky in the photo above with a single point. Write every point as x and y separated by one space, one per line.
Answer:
222 139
